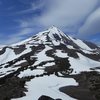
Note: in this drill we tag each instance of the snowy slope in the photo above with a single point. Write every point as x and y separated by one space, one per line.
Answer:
80 43
49 86
9 55
82 64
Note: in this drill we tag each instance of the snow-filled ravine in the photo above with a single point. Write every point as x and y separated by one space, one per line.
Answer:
10 55
41 56
49 86
82 64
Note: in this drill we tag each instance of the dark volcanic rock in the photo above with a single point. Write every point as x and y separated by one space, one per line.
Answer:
88 88
12 88
43 97
78 92
19 49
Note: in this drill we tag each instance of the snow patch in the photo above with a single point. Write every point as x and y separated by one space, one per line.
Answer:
41 56
49 86
82 64
59 53
80 43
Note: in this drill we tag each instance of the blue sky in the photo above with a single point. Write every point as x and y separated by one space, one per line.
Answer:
20 19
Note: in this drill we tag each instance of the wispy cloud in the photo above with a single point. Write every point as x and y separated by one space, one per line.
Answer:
25 31
66 14
33 7
92 24
80 17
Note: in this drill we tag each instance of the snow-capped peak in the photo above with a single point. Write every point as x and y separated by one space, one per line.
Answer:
53 27
55 30
55 36
51 35
51 31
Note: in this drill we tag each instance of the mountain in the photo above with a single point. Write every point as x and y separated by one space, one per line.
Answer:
40 53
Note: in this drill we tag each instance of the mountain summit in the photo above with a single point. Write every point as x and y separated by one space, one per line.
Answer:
55 36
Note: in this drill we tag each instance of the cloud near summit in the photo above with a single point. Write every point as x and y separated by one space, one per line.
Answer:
72 16
79 18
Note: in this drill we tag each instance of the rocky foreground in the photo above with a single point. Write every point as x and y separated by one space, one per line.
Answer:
88 88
